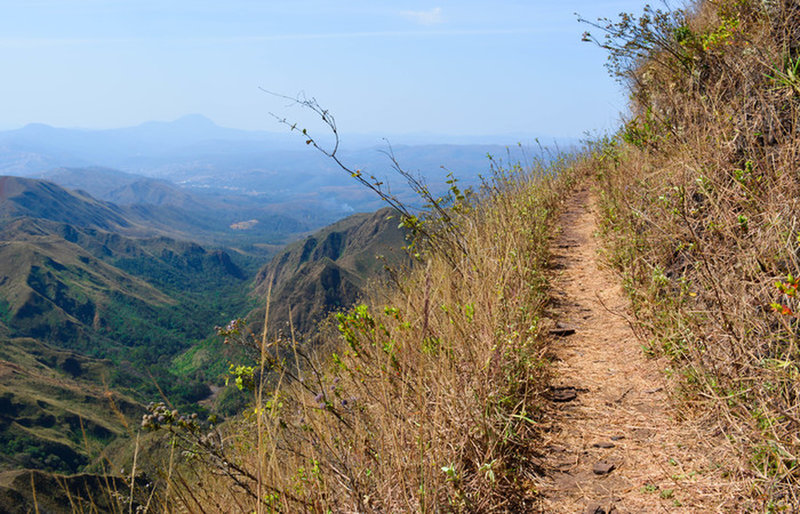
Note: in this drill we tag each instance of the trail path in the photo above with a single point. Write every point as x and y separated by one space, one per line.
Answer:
615 446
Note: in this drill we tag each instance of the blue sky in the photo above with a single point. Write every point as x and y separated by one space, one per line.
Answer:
385 67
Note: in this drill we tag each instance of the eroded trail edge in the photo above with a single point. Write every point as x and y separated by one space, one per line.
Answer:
615 445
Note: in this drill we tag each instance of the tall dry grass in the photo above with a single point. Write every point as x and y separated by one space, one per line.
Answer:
427 398
700 203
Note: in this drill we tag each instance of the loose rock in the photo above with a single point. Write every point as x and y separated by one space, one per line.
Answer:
563 395
603 468
562 330
594 508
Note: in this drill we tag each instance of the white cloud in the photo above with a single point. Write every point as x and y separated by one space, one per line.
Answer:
431 17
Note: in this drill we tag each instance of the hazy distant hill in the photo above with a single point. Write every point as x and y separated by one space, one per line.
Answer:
39 199
257 168
110 147
139 206
120 187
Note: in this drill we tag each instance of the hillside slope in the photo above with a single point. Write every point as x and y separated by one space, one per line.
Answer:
40 199
90 316
137 206
430 398
699 198
53 404
119 187
330 270
70 285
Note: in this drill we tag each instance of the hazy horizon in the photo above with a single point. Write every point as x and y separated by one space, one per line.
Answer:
460 69
406 138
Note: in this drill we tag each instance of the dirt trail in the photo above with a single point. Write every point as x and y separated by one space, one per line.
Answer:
614 446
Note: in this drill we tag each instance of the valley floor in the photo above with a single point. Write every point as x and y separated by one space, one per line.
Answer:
616 445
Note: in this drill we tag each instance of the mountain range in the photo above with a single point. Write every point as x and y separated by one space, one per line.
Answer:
100 311
236 167
120 250
93 302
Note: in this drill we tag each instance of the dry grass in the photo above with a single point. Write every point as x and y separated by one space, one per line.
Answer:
660 465
430 399
700 200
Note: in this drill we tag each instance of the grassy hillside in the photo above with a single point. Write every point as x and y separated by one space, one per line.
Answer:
54 410
90 318
77 331
331 269
700 202
426 399
96 291
36 491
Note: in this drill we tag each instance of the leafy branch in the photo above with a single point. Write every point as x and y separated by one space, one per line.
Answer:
655 36
444 236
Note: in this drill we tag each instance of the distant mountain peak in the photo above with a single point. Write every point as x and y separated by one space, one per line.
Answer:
35 130
37 126
195 119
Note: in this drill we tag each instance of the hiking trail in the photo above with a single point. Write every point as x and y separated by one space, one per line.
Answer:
615 445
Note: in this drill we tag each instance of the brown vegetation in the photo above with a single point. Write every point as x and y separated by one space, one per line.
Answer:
700 202
432 397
